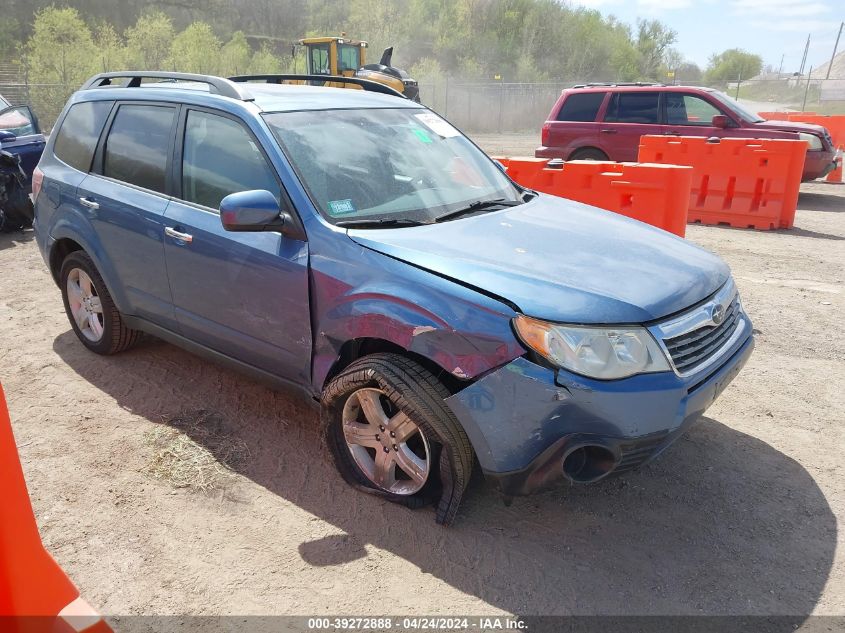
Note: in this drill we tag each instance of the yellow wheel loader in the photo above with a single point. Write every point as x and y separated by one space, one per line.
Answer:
344 57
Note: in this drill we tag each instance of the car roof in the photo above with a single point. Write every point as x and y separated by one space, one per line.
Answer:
634 88
267 97
285 98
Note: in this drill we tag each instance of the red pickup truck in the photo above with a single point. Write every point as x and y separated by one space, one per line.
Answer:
606 121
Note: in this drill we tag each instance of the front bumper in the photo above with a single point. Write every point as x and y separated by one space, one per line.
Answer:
524 419
818 164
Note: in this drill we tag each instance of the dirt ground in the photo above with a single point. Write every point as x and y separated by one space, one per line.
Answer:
739 517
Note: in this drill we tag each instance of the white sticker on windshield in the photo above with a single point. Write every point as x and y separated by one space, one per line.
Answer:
437 125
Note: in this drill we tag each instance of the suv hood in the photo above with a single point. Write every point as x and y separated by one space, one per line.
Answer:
561 261
793 126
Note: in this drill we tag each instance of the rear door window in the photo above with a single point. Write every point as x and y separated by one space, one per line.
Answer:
220 157
138 145
581 106
685 109
77 137
634 107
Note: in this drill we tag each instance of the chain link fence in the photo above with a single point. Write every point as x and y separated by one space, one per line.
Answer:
505 107
502 107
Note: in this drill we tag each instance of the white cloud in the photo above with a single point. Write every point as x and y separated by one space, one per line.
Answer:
788 26
596 4
654 6
779 9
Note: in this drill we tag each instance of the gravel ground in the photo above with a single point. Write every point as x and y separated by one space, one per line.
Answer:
738 517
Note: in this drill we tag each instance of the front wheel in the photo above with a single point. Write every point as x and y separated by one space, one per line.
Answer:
391 433
589 153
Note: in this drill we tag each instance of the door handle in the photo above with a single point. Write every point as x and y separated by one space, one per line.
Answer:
672 133
87 202
608 131
182 237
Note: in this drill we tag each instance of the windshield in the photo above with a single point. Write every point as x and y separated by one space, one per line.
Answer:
387 165
735 107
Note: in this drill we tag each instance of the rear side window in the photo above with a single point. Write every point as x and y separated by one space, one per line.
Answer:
581 106
138 145
77 138
219 157
633 107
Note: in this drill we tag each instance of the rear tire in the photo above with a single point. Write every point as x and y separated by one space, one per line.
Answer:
401 388
589 153
90 309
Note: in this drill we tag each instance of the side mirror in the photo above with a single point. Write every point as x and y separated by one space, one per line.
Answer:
7 137
721 121
256 210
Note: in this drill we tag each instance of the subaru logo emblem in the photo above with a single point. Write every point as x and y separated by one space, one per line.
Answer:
718 314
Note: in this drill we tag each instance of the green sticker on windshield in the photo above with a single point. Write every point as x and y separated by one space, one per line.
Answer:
341 207
420 134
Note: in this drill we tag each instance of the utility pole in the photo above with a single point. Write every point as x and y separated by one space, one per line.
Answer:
835 46
804 59
780 68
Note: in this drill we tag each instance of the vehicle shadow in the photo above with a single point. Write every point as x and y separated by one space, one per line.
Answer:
16 238
722 523
812 201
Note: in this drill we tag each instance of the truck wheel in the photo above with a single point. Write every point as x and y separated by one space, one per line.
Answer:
391 433
588 153
90 308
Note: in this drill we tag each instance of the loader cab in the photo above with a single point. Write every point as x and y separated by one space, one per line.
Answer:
334 55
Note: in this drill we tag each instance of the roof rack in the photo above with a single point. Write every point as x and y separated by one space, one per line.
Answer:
366 84
612 84
216 84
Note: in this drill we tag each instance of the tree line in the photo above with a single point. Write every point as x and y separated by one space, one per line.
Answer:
474 40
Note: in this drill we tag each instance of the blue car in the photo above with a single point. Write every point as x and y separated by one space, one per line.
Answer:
20 134
355 246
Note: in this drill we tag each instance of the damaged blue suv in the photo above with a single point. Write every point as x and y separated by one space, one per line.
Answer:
356 246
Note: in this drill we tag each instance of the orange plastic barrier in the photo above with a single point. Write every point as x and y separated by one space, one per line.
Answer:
656 194
835 176
35 594
747 183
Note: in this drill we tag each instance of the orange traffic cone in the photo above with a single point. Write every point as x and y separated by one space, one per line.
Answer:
836 175
35 593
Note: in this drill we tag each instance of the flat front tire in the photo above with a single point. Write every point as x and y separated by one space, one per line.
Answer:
90 309
391 434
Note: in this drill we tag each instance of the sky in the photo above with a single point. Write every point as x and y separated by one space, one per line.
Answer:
769 28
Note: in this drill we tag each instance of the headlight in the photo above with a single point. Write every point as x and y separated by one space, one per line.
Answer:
597 352
812 140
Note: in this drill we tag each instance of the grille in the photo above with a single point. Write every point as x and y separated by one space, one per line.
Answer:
690 350
639 451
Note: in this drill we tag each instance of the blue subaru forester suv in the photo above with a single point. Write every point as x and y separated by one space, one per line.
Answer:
356 246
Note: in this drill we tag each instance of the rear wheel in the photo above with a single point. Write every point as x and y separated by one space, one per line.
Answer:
588 153
391 433
89 307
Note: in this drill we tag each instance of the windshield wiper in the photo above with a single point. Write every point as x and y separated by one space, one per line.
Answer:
479 205
378 223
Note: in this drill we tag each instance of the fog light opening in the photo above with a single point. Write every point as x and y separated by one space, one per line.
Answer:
586 464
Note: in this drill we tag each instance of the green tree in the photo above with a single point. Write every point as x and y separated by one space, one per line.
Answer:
61 55
264 62
148 42
733 64
196 50
111 52
236 55
653 41
9 36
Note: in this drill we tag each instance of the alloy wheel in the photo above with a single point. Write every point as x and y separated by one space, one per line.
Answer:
85 304
388 447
